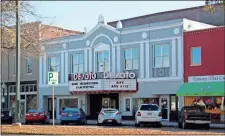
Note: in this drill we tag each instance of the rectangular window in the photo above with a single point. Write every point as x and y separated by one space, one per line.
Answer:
54 65
196 56
161 56
103 61
29 65
127 104
77 63
131 58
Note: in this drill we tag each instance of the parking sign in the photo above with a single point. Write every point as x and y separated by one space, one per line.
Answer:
53 78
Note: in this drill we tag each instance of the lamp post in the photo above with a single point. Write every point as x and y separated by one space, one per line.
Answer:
4 87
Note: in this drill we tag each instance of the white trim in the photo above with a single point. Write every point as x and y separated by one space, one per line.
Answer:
62 68
179 57
90 59
59 85
85 60
114 30
40 70
142 64
113 60
24 93
174 59
151 28
66 66
147 53
101 35
118 54
45 70
159 79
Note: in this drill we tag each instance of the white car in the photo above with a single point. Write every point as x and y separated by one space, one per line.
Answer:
148 114
109 116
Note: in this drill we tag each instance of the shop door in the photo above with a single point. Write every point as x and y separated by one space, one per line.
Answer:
164 108
112 103
50 107
106 102
22 110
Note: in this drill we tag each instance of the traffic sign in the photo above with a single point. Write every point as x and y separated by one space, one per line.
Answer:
53 78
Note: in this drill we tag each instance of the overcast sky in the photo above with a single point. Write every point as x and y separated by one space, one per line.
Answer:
79 14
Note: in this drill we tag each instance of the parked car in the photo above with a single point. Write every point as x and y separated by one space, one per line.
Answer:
73 115
6 116
109 116
36 116
193 115
148 114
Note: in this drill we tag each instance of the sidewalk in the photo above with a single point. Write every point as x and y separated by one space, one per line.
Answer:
164 123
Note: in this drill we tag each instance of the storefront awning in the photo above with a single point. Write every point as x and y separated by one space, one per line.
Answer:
202 89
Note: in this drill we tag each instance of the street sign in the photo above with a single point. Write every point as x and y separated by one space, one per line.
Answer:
53 78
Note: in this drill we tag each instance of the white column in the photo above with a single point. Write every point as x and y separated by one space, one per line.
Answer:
57 109
118 52
174 54
113 59
85 60
90 60
147 59
180 57
66 66
62 68
40 70
142 60
45 70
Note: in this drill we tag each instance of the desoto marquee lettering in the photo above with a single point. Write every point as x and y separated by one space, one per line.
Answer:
120 75
85 76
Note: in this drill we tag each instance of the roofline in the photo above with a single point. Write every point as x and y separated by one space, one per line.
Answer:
158 13
204 30
61 28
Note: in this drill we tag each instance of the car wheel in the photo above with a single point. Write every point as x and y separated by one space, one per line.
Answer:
179 124
26 123
207 126
184 125
137 125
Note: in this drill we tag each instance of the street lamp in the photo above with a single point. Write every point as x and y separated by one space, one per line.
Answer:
4 87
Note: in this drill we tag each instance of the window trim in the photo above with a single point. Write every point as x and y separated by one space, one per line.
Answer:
96 64
124 58
124 107
71 62
27 73
161 55
191 61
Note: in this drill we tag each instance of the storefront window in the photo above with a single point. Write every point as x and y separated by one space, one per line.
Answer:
66 103
127 104
31 102
12 104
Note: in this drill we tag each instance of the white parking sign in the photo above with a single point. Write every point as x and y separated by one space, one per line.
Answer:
53 78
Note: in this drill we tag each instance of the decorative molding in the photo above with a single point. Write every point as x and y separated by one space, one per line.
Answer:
90 59
144 35
176 31
115 39
113 60
87 43
86 60
66 66
62 72
118 54
158 79
147 53
179 57
142 64
174 57
101 35
64 46
58 85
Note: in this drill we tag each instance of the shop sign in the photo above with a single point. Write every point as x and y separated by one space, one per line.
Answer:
213 78
119 75
103 84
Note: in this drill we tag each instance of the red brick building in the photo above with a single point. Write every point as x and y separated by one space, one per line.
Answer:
204 70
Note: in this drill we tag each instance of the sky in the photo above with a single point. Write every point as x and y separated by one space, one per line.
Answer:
76 15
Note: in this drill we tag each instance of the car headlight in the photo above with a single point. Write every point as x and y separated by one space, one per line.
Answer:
10 114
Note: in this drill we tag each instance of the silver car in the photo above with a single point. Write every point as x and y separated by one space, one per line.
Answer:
109 116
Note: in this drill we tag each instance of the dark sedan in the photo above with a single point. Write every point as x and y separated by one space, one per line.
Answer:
6 116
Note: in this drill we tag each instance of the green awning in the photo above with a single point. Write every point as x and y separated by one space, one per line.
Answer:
202 89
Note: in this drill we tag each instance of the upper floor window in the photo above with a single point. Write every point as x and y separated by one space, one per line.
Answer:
103 61
131 58
54 64
196 56
77 63
161 56
29 65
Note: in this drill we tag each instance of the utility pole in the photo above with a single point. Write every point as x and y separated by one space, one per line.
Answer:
17 113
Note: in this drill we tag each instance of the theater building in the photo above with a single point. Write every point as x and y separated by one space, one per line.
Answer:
117 67
204 73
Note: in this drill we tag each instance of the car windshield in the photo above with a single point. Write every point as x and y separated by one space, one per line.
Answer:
194 109
149 108
110 110
72 110
34 111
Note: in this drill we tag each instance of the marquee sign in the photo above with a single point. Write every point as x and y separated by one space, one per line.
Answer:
103 85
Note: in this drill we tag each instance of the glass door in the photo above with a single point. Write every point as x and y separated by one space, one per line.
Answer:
112 104
105 102
164 108
22 110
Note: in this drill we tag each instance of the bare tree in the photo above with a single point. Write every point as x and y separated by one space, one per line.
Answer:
209 5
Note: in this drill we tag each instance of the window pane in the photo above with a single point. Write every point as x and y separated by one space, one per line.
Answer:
106 56
157 62
166 50
75 69
81 67
128 64
99 57
196 55
127 54
106 66
81 59
157 51
74 59
127 104
166 61
135 63
100 67
134 53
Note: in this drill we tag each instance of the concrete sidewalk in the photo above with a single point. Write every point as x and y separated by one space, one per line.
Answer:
164 123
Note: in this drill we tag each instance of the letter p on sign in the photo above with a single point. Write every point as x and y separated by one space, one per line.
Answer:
53 78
